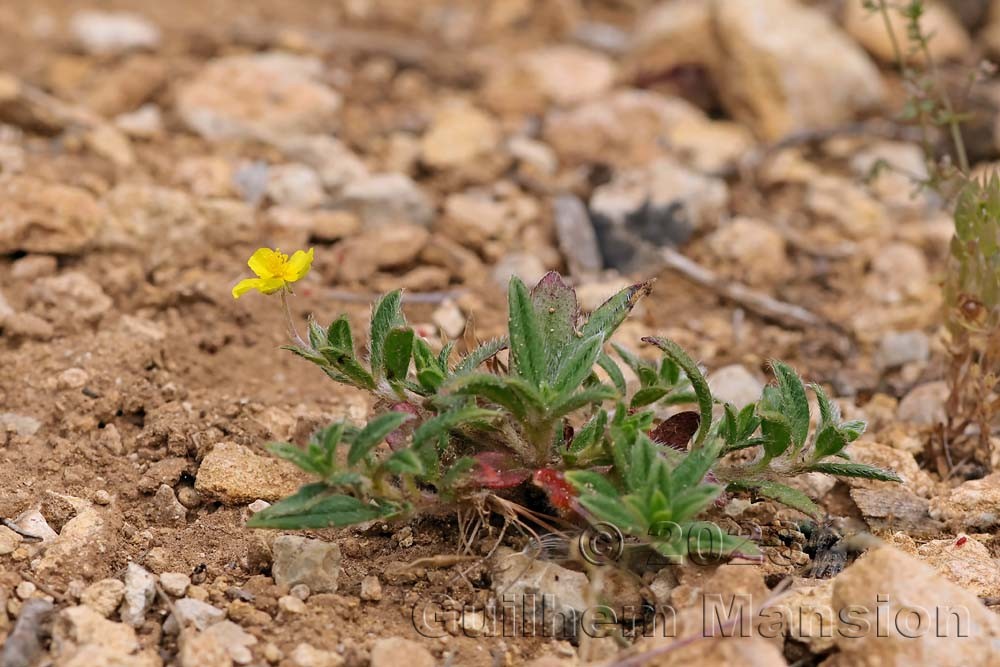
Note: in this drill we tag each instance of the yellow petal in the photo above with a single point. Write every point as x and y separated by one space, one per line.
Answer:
298 266
262 285
266 263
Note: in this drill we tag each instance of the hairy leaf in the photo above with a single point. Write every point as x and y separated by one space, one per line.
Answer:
698 383
434 428
556 312
398 349
856 470
785 495
613 312
526 348
316 506
387 314
577 365
487 350
374 432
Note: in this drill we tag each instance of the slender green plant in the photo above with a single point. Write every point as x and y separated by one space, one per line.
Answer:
972 280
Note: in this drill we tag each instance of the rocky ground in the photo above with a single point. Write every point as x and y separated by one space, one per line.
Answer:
443 146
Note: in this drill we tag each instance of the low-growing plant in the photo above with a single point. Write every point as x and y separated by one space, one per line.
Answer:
547 406
972 280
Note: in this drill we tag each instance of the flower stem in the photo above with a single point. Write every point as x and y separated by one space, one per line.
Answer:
291 323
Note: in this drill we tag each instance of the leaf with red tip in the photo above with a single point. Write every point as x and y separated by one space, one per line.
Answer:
560 492
495 470
556 311
677 431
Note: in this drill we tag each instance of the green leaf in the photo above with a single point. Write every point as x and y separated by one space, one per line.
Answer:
578 364
647 396
776 433
441 425
398 348
430 373
829 413
855 470
613 510
696 464
306 354
339 337
526 349
445 354
493 388
345 362
317 506
794 402
635 362
829 441
613 312
556 312
588 481
785 495
373 433
591 433
387 314
698 383
614 372
590 396
317 336
404 462
693 501
298 456
487 350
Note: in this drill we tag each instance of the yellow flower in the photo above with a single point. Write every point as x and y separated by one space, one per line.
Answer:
274 271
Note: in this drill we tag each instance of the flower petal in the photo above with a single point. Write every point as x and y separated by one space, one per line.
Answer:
265 262
262 285
298 266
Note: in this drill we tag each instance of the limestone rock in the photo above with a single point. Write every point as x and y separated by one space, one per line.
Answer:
258 95
36 216
234 475
300 560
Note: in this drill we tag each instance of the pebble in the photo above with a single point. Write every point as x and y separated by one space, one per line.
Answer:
111 33
167 509
258 506
576 236
371 588
525 266
191 612
259 95
25 590
104 596
73 217
291 605
520 579
233 639
459 135
735 384
305 655
146 122
752 251
387 199
294 185
662 204
235 475
31 267
175 583
949 39
9 541
448 316
974 504
903 347
140 591
924 404
301 560
899 586
394 651
301 591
